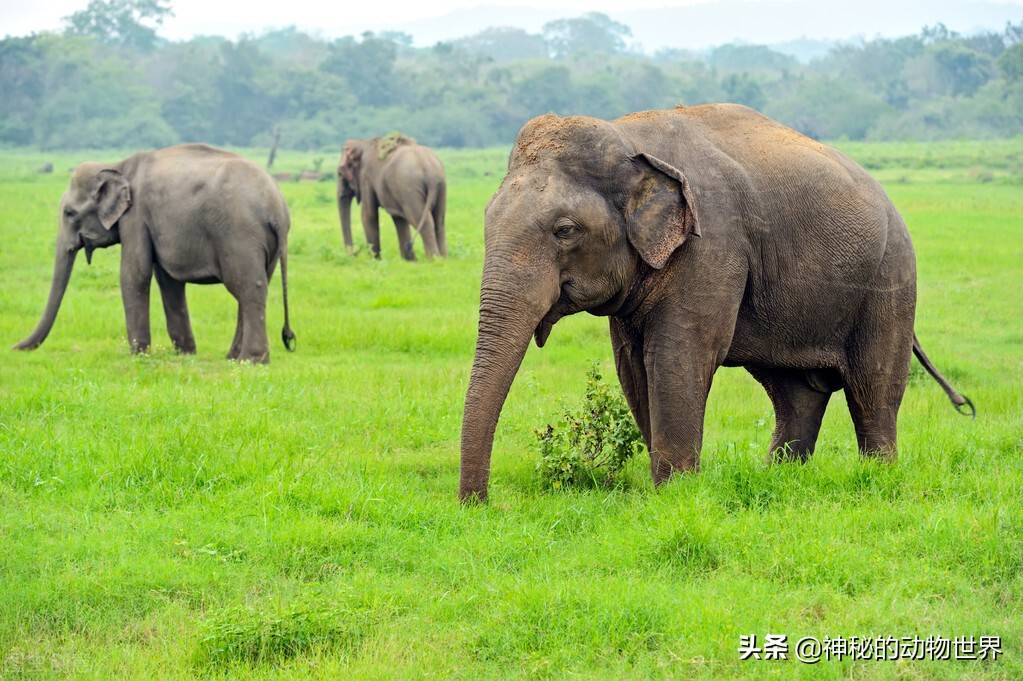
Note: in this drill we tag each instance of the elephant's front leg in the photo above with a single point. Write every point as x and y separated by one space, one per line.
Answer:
175 307
136 276
679 369
628 352
371 224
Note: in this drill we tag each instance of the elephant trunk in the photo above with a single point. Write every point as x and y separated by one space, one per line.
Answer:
63 262
512 306
344 209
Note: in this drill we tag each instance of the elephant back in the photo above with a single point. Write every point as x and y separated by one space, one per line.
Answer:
391 141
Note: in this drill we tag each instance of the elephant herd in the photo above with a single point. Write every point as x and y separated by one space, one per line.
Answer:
709 236
196 214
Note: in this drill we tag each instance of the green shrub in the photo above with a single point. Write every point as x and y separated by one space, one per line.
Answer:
254 636
589 447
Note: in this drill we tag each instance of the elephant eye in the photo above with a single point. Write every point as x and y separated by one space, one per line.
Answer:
69 213
565 229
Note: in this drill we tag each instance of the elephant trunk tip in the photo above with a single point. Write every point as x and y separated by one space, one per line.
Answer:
26 345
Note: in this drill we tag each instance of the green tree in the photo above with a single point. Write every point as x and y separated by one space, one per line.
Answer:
544 90
505 44
592 32
120 23
23 80
1011 63
749 58
742 88
367 66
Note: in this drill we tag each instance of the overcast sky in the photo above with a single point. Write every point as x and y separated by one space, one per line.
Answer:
655 23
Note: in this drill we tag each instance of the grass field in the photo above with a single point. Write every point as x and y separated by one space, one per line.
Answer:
172 517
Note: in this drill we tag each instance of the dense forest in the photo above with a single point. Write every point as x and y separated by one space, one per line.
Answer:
109 79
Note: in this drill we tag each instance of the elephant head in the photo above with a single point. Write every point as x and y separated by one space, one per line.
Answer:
581 217
348 171
97 197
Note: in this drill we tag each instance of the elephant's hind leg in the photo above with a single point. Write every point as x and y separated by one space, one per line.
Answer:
175 307
236 344
427 231
878 369
438 221
874 398
798 411
404 238
248 284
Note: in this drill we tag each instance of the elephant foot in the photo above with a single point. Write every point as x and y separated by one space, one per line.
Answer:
253 359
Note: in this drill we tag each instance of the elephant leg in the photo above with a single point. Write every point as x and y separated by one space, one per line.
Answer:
247 281
136 277
438 221
877 373
371 224
798 410
678 377
404 238
175 307
255 346
236 344
428 231
632 376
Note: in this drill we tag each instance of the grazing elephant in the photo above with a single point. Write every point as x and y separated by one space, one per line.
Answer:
400 176
711 236
188 214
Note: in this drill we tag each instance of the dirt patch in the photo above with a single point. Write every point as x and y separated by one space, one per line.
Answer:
543 136
644 115
391 141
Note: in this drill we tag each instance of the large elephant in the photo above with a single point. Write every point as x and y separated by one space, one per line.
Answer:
711 236
188 214
405 179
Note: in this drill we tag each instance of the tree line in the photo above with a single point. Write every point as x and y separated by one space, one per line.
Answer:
109 79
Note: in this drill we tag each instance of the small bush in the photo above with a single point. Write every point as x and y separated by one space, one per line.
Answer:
589 447
250 636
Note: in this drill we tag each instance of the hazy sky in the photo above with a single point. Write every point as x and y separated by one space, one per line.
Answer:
230 17
655 23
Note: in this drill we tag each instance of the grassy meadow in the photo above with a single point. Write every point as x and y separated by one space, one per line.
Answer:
176 517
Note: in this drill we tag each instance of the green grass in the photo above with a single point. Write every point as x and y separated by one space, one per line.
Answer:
171 517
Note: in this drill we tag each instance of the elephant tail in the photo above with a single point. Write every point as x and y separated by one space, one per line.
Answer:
287 335
431 199
963 404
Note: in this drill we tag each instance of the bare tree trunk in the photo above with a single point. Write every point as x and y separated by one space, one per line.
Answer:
273 147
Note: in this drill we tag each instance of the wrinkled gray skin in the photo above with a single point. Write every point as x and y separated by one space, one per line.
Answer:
187 214
409 184
711 236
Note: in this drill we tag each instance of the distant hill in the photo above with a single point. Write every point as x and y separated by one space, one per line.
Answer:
704 23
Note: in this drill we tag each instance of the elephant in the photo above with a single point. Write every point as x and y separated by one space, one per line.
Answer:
710 236
400 176
186 214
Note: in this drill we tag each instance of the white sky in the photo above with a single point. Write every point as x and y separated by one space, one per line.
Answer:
705 22
231 17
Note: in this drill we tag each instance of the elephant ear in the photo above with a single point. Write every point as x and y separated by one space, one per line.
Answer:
350 161
660 210
112 195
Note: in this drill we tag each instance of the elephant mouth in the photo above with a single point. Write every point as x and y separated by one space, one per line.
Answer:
562 308
543 329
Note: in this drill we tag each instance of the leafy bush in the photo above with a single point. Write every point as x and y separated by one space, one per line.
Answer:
589 447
